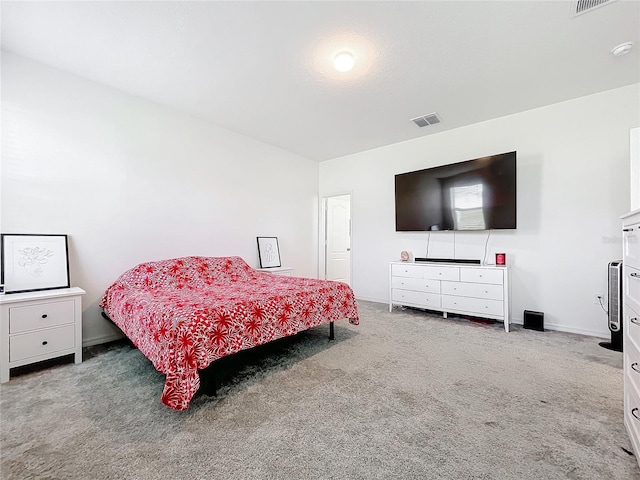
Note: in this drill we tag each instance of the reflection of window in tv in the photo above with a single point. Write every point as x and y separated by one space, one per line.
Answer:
467 206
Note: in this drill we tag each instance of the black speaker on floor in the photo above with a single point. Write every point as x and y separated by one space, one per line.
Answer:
534 320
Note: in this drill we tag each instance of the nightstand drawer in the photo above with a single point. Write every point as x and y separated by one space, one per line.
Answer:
42 342
42 315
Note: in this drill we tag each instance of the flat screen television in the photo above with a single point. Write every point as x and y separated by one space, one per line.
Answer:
478 194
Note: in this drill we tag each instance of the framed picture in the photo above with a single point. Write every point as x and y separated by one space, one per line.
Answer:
34 262
268 252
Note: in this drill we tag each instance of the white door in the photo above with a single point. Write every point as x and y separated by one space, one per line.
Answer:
338 239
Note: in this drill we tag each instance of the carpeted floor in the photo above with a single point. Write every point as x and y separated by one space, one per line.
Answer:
404 396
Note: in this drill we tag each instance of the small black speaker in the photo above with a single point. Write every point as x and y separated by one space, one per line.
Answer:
534 320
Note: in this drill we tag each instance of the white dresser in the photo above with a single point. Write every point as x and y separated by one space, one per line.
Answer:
475 290
36 326
631 325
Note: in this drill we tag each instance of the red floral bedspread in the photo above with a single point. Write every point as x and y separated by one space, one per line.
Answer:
186 312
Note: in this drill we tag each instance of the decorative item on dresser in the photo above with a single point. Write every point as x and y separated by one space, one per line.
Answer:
36 326
631 325
480 291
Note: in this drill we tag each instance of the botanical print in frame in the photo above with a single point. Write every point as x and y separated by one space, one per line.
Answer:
34 262
268 252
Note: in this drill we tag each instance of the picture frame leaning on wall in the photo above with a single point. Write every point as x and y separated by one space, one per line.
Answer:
268 252
32 262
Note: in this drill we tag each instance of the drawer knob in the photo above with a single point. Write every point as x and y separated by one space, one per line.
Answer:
45 342
44 315
635 320
634 412
635 367
635 275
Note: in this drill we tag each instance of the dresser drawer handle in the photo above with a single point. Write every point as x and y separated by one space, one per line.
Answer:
635 275
44 315
627 229
45 342
635 367
634 412
635 321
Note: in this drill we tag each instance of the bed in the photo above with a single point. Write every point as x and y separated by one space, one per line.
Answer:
184 313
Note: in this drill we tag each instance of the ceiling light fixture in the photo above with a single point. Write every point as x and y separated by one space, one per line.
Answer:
622 49
343 62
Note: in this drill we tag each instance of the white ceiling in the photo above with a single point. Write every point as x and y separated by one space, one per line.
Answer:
263 69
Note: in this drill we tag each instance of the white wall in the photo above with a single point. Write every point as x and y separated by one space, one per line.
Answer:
573 184
131 181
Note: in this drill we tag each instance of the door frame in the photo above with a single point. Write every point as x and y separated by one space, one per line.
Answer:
322 235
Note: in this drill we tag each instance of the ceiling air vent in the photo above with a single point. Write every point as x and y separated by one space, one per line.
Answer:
578 7
429 119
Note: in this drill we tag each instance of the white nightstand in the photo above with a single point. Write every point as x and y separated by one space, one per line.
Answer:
36 326
278 270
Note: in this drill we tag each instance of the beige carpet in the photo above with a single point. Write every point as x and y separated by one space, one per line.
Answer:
404 395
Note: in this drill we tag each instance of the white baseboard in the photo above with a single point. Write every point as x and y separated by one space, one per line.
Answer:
579 331
519 321
87 342
110 337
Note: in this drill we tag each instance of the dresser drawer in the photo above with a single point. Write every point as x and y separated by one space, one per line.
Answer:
42 315
465 289
42 342
473 306
482 275
632 411
414 271
631 325
418 284
632 365
631 287
631 245
410 297
442 273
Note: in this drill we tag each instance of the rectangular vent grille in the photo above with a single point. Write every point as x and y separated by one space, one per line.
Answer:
615 292
425 120
578 7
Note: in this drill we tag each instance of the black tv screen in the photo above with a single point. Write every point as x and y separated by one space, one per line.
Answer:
478 194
